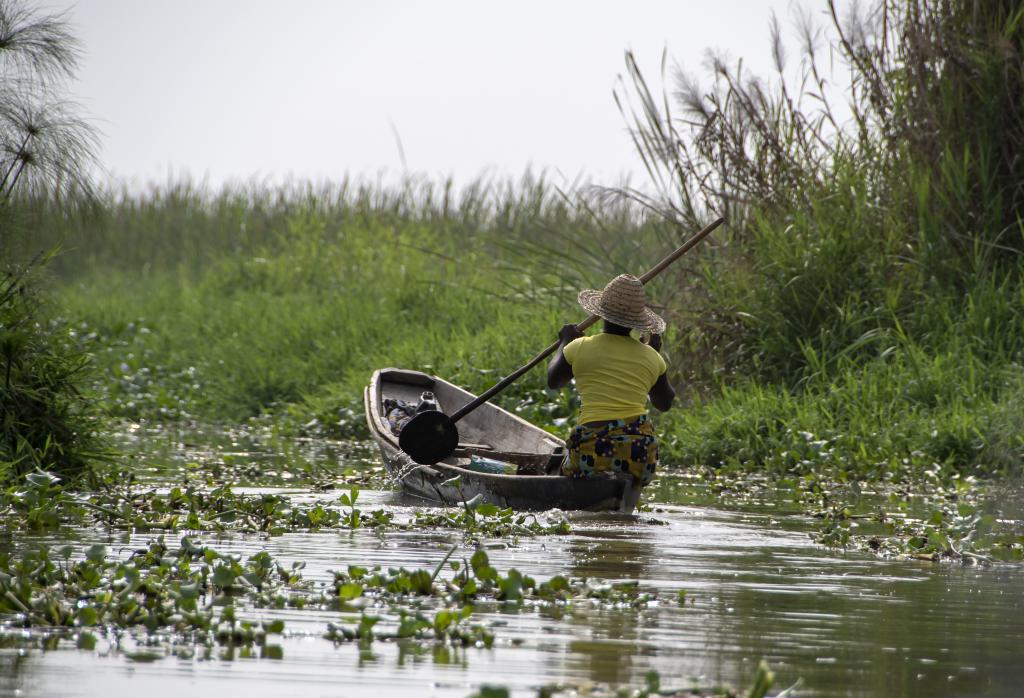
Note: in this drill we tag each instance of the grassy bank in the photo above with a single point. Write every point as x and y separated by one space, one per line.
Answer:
283 305
284 301
860 314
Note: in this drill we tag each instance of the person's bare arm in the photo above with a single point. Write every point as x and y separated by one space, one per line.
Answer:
560 370
662 394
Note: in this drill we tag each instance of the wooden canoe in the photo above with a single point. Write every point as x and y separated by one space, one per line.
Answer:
489 432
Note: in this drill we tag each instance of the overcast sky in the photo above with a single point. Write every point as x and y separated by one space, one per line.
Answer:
235 89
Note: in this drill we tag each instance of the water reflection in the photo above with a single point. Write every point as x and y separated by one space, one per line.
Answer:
606 641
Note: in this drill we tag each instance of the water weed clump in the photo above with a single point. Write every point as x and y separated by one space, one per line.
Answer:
490 520
472 583
182 596
195 596
953 522
41 502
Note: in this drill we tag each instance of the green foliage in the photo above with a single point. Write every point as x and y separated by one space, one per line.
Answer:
348 499
156 589
47 422
45 148
868 291
118 501
901 413
762 681
294 323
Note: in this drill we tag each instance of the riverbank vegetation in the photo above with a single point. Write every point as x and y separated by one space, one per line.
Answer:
46 149
858 321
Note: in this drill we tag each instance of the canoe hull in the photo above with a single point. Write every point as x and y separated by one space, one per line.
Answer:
490 432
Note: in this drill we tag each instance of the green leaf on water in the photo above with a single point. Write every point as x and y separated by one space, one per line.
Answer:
223 576
350 591
763 681
558 583
86 616
481 566
366 624
272 652
511 586
42 479
937 540
421 582
470 587
86 641
652 681
442 620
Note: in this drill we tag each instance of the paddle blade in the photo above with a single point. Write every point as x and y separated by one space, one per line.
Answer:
429 437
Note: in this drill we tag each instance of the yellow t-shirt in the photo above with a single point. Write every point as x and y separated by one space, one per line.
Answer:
613 374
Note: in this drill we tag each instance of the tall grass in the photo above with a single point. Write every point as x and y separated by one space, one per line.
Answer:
870 287
862 313
228 305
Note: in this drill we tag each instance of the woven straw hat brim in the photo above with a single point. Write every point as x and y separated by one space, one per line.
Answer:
647 321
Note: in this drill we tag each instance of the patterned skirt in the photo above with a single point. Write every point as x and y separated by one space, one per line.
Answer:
618 446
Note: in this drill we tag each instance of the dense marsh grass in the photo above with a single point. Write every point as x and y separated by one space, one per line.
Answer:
863 312
291 324
227 306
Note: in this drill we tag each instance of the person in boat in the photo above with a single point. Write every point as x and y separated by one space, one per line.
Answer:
615 375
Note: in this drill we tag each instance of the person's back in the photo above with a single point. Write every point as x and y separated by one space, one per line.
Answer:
614 373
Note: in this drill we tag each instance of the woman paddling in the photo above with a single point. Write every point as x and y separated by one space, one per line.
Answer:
615 375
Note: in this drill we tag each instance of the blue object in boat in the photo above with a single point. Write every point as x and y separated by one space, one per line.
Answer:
489 465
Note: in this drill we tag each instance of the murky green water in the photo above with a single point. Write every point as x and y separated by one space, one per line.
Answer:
757 588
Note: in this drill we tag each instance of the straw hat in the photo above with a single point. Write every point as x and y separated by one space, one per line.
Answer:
623 302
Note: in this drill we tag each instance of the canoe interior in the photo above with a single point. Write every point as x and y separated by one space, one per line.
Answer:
488 431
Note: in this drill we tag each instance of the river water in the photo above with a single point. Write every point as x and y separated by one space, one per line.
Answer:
757 587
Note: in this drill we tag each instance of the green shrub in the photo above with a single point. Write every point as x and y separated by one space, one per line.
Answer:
47 421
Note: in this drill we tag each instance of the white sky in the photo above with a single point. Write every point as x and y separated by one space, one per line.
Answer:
237 89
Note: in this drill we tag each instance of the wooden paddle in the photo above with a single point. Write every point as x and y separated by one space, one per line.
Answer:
432 436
